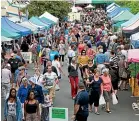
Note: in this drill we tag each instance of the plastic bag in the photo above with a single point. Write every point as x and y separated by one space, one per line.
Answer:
114 99
102 100
57 88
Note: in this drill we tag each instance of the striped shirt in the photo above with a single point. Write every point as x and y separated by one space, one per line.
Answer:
114 59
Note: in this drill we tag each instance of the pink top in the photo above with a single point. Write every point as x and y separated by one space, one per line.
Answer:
80 47
106 83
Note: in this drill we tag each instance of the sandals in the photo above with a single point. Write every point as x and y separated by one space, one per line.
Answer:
108 111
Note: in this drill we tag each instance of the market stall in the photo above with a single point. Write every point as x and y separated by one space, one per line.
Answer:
123 16
133 57
13 27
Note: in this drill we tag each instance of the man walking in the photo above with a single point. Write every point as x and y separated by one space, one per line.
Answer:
81 111
6 80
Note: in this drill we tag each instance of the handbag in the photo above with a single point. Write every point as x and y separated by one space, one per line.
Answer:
102 100
114 99
124 75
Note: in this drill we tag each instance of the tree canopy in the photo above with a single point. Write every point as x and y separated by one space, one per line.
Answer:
133 5
59 9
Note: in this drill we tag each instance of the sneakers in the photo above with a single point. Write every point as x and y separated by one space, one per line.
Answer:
97 113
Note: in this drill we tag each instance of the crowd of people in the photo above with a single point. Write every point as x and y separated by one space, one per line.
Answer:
100 56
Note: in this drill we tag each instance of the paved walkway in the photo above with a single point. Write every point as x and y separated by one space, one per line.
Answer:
120 112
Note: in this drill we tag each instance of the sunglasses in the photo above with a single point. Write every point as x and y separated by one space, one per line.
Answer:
21 69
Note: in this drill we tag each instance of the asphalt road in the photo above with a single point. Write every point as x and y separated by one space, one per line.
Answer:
120 112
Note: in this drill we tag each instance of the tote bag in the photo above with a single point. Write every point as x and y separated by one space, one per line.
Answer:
114 99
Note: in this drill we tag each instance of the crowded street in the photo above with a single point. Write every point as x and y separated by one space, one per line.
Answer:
78 61
121 112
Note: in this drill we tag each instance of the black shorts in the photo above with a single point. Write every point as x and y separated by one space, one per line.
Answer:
115 85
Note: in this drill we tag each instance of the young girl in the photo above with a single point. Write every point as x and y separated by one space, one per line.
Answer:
45 106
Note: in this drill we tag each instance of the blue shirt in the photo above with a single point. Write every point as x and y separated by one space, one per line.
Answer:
101 58
22 93
38 93
52 55
82 99
66 32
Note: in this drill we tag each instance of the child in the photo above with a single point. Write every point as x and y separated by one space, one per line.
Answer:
45 106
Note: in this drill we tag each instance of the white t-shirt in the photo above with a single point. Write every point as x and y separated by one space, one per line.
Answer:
12 108
51 77
57 65
6 75
71 53
61 49
39 79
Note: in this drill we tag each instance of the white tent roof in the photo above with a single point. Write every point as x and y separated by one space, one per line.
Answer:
39 27
14 18
29 25
5 39
50 16
89 6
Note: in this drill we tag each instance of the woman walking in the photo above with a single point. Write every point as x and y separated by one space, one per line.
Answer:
90 67
106 88
62 50
12 107
95 89
83 61
73 76
31 108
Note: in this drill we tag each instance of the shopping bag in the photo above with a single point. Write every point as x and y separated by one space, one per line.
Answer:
57 88
102 100
114 99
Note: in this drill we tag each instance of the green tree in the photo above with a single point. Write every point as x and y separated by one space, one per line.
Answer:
59 9
133 5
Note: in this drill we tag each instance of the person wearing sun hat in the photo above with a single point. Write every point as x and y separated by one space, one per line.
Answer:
37 89
23 92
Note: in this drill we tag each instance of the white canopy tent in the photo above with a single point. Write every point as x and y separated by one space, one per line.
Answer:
14 19
5 39
37 26
89 6
50 16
